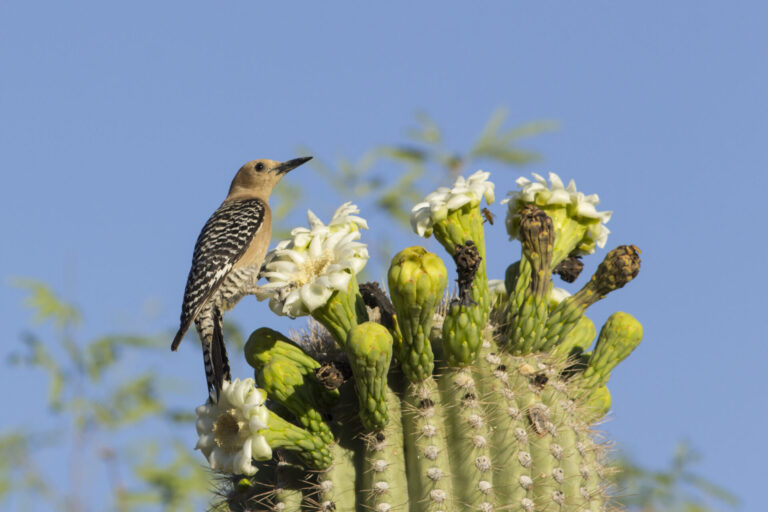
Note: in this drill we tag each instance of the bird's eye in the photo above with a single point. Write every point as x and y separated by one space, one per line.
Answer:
259 166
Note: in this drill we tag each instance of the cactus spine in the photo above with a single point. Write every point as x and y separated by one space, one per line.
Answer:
428 404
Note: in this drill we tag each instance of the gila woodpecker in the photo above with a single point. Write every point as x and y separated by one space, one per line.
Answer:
227 258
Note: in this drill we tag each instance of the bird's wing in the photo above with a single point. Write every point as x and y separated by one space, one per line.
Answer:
223 240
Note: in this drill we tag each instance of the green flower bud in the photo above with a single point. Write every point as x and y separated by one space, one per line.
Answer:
369 348
286 384
264 345
417 280
598 403
620 335
311 448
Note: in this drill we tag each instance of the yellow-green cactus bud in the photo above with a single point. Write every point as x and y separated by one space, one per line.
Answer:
312 450
462 334
342 311
620 335
417 280
286 383
598 403
619 267
369 348
266 344
578 340
537 237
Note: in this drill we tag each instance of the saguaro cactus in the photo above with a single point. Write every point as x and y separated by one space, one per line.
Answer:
480 401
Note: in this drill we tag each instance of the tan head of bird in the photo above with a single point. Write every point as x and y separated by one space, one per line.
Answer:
257 178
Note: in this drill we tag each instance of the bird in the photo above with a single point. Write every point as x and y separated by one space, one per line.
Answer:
227 259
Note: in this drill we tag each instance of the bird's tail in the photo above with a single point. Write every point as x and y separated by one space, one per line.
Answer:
216 362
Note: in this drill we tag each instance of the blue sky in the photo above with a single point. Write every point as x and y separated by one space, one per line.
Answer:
121 126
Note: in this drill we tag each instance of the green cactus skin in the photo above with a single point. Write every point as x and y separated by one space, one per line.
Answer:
417 280
426 447
506 433
310 448
284 384
462 333
266 345
369 347
537 240
578 339
466 223
620 335
486 425
342 312
619 267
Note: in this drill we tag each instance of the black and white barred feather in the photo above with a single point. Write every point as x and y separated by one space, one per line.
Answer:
222 241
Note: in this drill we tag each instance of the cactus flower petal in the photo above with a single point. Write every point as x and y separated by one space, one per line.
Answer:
303 272
580 226
228 428
437 205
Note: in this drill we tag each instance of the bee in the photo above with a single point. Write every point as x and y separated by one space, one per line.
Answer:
487 215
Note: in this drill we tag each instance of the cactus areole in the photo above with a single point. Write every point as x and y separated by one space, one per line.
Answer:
417 401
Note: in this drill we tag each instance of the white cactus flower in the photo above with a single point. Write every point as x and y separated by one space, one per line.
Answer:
228 428
442 201
554 196
303 272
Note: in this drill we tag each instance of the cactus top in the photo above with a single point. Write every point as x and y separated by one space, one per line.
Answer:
228 428
304 271
436 205
563 204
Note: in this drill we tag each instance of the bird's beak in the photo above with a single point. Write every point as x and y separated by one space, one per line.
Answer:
291 164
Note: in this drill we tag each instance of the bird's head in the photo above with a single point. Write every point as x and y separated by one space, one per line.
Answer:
257 178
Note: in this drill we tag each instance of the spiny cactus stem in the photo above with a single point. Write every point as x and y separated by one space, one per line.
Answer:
426 449
570 480
468 436
592 473
338 484
311 449
499 386
287 496
385 483
543 416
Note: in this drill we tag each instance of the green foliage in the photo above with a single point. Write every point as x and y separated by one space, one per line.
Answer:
674 489
95 399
